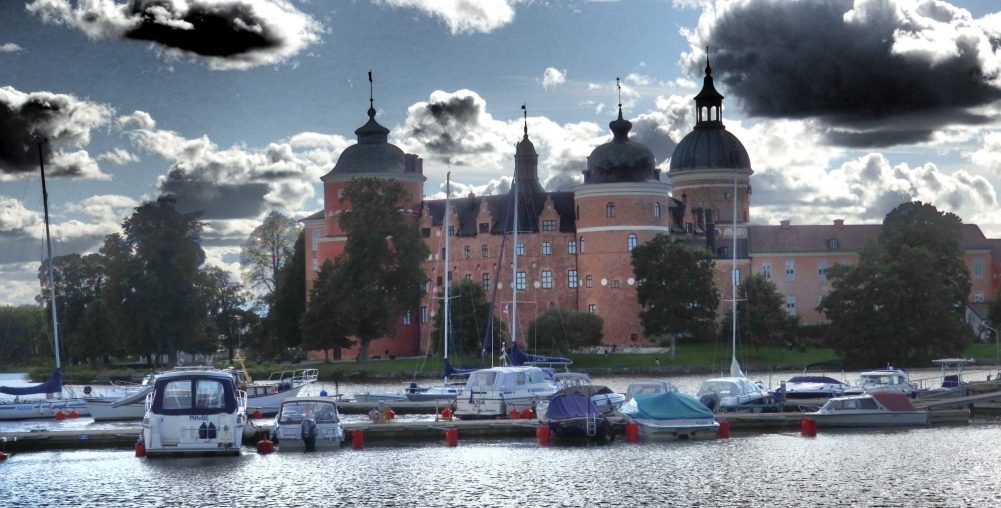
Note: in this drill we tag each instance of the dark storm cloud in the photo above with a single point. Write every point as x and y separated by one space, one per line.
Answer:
852 72
451 126
228 34
213 200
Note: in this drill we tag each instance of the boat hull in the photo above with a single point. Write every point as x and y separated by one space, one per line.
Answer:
582 428
872 419
676 430
329 437
102 409
30 410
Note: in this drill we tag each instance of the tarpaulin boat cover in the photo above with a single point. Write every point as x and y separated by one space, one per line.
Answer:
894 401
588 390
669 406
571 405
453 371
519 357
52 385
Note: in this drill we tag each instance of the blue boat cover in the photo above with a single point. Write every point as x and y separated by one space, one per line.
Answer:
571 405
52 385
669 406
452 371
519 358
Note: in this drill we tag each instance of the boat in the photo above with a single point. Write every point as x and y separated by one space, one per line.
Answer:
873 409
671 415
102 407
604 398
496 391
648 386
54 404
573 415
889 379
812 387
308 424
194 412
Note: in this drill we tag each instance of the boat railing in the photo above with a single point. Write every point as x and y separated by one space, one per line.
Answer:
297 377
241 399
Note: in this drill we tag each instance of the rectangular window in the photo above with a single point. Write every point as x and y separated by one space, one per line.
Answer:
424 286
468 276
467 251
571 278
552 305
438 281
519 281
592 308
451 231
406 318
547 248
766 269
316 264
520 249
583 246
484 227
588 281
484 251
425 232
424 314
547 279
978 268
571 247
832 244
790 271
485 281
791 305
615 284
736 277
822 269
549 225
316 238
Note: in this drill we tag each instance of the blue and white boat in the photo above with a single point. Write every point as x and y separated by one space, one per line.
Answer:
194 412
671 415
573 415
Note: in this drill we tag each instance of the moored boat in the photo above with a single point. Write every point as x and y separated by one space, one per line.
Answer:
308 424
873 409
573 415
496 391
889 379
671 415
813 387
728 394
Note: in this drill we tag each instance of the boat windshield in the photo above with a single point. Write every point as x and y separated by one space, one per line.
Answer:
850 404
296 412
483 378
723 388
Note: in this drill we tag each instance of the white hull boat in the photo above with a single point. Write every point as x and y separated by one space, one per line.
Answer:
32 409
671 416
194 412
876 409
308 424
496 391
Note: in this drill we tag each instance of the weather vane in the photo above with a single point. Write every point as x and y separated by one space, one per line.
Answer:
524 112
370 95
619 86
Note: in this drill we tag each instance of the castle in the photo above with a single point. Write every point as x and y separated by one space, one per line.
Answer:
574 246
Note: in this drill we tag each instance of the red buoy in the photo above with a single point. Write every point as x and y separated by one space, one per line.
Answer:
452 438
808 427
265 446
3 456
74 414
527 413
542 435
723 432
140 449
632 432
256 414
446 414
514 414
357 439
60 415
390 414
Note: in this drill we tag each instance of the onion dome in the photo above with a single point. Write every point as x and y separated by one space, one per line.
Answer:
709 145
372 154
526 163
620 160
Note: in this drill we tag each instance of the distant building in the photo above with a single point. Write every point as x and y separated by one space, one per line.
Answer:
574 247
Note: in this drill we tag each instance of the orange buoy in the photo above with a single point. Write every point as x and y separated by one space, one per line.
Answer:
723 432
452 438
256 414
140 449
808 427
60 415
542 435
390 414
265 446
632 432
74 414
514 414
357 439
446 413
527 413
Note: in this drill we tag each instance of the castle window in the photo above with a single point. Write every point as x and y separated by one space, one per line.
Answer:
592 308
406 318
547 248
485 281
766 269
520 249
466 252
822 269
438 281
547 279
520 281
424 314
571 247
484 227
425 232
615 284
610 210
549 225
791 305
790 271
484 251
588 281
978 268
582 245
316 265
424 286
689 227
832 244
468 276
630 242
316 238
656 210
571 278
451 231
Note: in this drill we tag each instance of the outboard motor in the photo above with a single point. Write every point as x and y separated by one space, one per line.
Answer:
308 432
710 400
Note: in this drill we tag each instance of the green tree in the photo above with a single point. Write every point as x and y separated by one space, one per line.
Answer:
323 324
470 313
761 316
905 300
559 330
284 320
269 248
676 288
379 275
225 303
23 334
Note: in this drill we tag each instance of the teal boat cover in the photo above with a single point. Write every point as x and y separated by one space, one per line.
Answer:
669 406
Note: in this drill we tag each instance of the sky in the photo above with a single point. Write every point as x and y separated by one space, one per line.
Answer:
237 107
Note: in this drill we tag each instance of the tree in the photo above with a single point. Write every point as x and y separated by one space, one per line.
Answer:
761 316
379 275
269 248
676 288
470 313
78 283
323 324
905 300
568 329
284 320
23 334
225 303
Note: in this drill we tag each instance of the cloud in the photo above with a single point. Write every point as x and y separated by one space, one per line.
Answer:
62 119
464 16
988 155
553 77
10 47
871 73
107 208
19 283
226 34
118 156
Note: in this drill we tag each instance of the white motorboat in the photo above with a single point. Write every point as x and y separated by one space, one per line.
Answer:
729 394
496 391
308 424
671 415
648 386
873 409
889 379
194 412
813 387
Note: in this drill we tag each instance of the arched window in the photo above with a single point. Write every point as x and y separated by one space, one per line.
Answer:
610 209
656 210
630 242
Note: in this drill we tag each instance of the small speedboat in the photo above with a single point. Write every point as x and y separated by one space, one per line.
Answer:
813 387
574 415
308 424
889 379
649 386
873 409
194 412
724 394
671 415
604 399
494 392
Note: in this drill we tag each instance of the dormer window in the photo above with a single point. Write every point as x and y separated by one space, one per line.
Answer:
832 244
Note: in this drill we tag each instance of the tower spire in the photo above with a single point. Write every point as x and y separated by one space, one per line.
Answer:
371 100
619 86
524 112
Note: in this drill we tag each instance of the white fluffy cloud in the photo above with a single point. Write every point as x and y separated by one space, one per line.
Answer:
10 47
118 156
465 16
553 77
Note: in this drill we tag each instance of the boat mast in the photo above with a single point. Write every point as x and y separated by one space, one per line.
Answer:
48 243
514 267
446 317
734 365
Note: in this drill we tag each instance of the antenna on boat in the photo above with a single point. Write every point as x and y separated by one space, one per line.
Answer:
48 243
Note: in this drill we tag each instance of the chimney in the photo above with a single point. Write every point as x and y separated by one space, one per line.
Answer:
839 223
785 223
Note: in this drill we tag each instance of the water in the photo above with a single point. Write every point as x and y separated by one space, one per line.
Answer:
936 466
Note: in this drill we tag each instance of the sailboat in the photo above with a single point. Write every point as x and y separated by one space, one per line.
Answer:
733 392
53 405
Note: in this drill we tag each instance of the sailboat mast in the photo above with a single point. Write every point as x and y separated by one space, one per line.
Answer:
514 268
734 365
447 316
48 244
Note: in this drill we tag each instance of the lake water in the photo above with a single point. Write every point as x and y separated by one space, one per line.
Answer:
936 466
